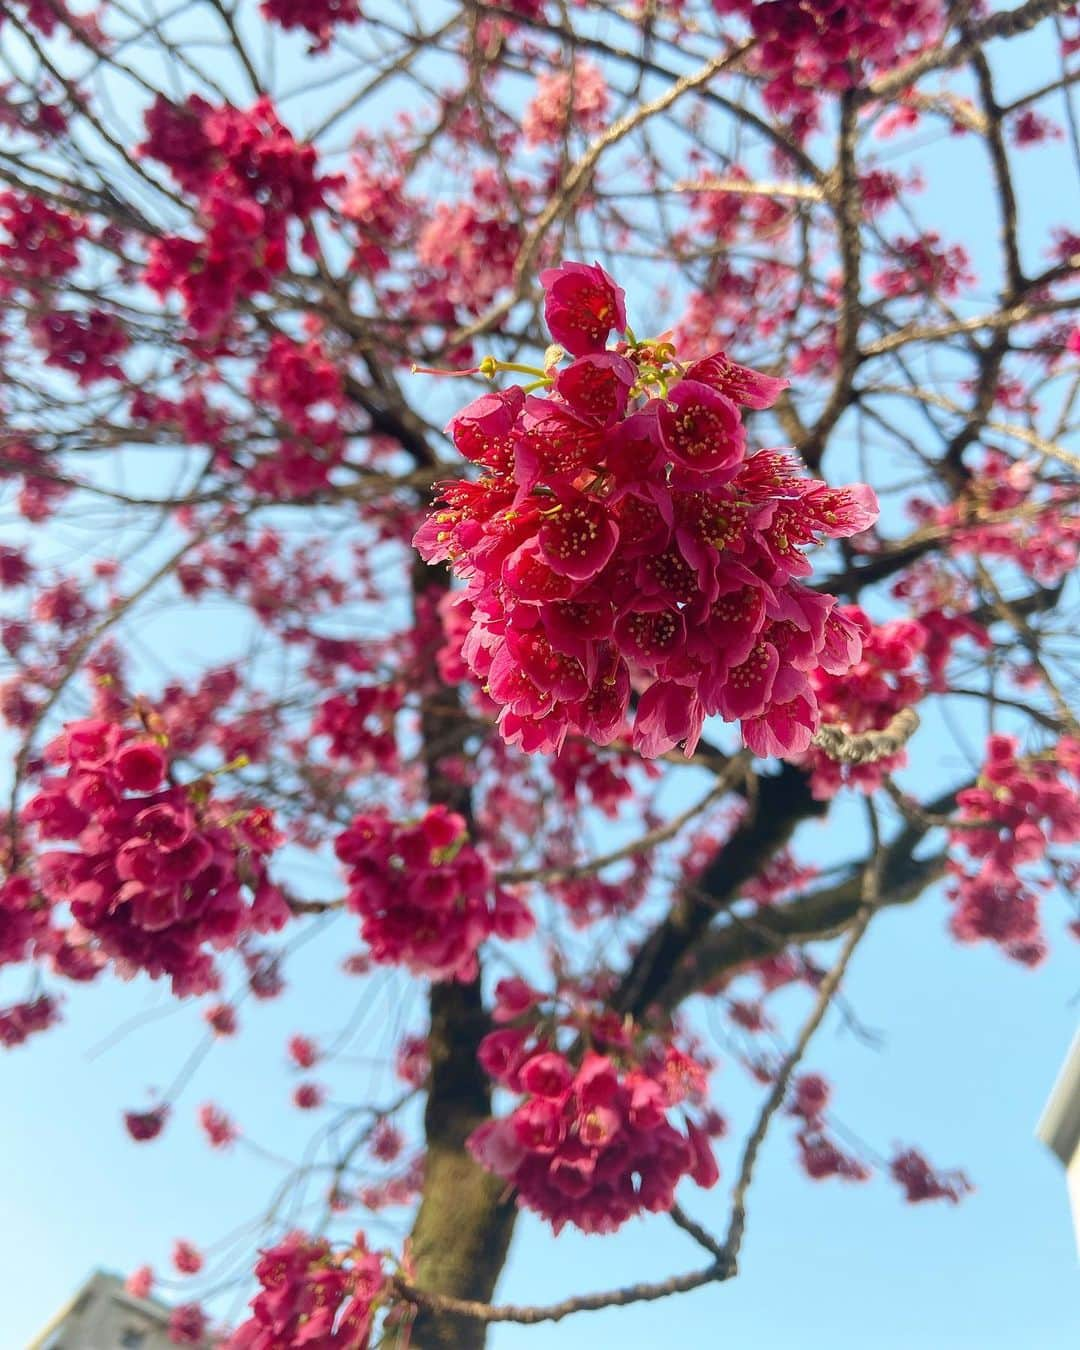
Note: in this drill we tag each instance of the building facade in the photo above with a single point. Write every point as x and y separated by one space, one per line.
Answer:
1059 1127
104 1316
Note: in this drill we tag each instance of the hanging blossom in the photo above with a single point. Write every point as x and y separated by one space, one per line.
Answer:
808 47
820 1156
921 1182
426 896
1021 805
620 538
591 1142
319 18
159 874
188 1325
20 1021
253 181
1006 513
579 100
312 1296
902 661
220 1129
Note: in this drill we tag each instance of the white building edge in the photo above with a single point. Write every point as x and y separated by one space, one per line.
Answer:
104 1316
1059 1127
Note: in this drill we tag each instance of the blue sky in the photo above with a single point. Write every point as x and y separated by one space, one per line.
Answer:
971 1047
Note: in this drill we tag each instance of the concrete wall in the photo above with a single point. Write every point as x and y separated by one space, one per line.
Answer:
103 1316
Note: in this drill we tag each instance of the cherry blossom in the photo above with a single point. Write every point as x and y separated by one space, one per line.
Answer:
609 547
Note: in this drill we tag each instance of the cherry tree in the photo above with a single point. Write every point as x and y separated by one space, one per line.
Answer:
490 478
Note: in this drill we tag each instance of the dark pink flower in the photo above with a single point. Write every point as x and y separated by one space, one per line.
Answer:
582 305
597 386
578 537
187 1258
750 388
140 1282
701 430
145 1125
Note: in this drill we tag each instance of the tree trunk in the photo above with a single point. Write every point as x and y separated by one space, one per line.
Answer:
462 1231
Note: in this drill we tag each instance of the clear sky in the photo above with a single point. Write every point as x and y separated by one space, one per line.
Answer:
970 1047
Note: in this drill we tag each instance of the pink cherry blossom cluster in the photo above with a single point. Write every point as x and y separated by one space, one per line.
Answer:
819 1154
394 1191
20 1021
591 1143
143 1126
565 100
44 15
319 18
808 47
590 898
412 1063
584 775
312 1296
24 920
925 264
360 726
303 385
37 241
821 1157
1021 805
620 539
427 898
920 1181
219 1128
160 874
188 1325
252 180
186 1257
85 343
901 662
1008 514
469 248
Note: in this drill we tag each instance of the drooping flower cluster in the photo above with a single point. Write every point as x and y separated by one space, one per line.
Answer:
901 661
85 343
921 1182
319 18
819 1154
220 1129
140 1282
186 1257
301 385
589 897
604 779
619 538
20 1021
805 47
159 874
24 920
188 1324
1009 514
360 726
578 100
252 180
822 1158
1021 805
426 897
591 1142
37 241
143 1126
469 247
312 1296
925 264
